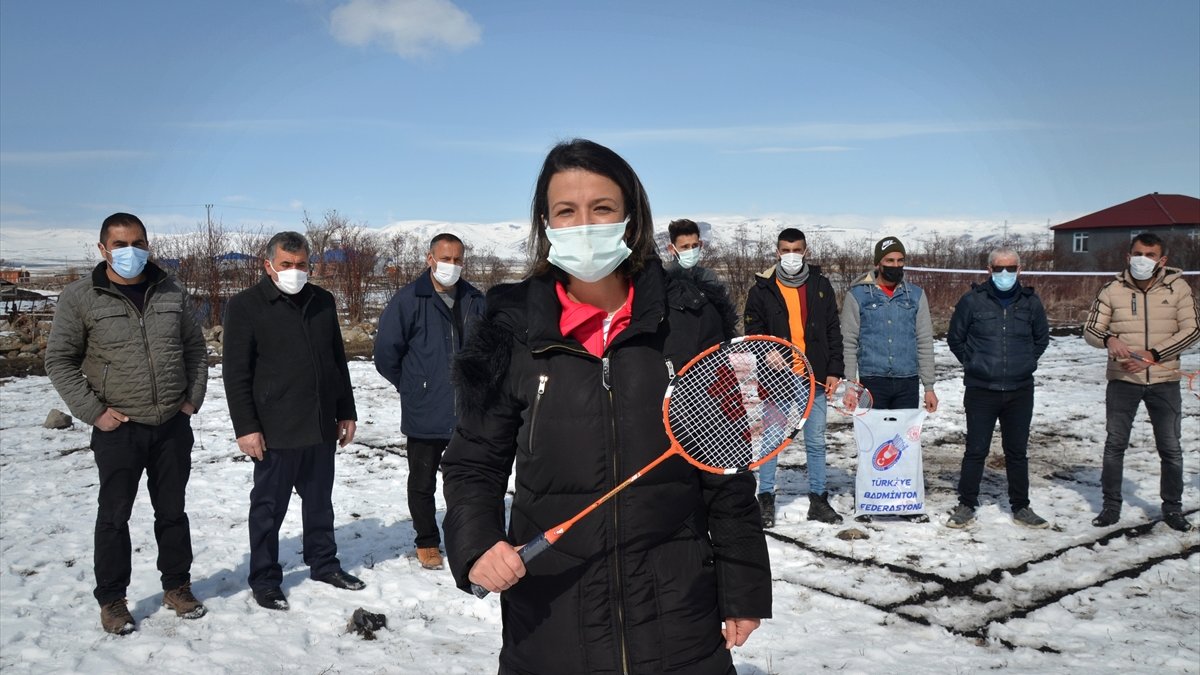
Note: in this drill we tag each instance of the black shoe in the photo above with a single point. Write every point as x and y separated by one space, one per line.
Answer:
820 510
1028 518
343 580
1107 517
960 517
271 598
1176 521
766 507
863 518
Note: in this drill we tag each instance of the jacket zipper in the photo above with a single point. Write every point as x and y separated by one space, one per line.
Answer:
312 357
146 346
1004 344
453 350
1145 323
606 380
150 360
537 403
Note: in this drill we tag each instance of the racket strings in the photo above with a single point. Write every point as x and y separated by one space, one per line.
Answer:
736 405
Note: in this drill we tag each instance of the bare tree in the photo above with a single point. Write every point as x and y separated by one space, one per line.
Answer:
484 268
199 255
737 262
404 257
358 250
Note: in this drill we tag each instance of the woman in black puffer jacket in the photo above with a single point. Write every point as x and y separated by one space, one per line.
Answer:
564 378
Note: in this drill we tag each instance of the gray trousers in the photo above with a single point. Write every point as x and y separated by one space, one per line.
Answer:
1164 404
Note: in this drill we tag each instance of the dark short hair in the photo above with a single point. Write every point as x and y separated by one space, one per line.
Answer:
291 242
583 154
120 220
682 228
1149 239
789 235
445 236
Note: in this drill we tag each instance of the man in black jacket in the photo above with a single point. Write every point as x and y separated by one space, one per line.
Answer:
694 291
290 400
420 332
998 332
793 301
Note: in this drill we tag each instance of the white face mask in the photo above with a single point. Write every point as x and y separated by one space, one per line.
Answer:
791 262
688 258
1141 267
447 274
588 252
290 281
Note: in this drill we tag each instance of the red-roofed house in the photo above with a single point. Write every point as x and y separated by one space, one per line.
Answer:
1100 240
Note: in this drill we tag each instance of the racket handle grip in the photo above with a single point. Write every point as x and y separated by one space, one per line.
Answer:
528 552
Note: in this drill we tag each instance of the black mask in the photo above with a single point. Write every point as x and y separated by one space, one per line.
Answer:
892 275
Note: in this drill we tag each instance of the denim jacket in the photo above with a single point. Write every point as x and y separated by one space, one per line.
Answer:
887 336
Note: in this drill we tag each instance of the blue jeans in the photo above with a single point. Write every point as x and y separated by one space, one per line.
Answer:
1014 410
1164 406
814 447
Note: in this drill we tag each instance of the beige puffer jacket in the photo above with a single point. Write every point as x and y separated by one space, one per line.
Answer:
102 353
1161 319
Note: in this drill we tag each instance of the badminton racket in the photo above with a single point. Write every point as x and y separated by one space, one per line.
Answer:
728 410
1190 377
849 398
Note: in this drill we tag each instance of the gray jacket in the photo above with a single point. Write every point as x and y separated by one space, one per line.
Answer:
102 353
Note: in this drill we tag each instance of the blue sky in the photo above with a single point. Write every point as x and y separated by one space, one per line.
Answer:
392 110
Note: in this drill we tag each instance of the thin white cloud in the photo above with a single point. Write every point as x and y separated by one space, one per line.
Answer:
68 157
410 28
780 150
279 125
11 209
821 133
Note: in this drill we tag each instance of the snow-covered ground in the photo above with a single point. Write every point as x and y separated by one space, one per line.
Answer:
913 598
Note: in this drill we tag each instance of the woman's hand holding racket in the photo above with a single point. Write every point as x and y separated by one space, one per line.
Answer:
715 410
497 569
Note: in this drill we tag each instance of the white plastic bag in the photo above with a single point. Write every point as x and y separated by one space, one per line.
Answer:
889 480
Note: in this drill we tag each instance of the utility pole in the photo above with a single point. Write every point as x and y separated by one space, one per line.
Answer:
208 210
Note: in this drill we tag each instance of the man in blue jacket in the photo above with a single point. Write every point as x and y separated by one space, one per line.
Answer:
998 332
420 332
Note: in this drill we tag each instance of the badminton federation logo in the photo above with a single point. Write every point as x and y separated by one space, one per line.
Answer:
888 454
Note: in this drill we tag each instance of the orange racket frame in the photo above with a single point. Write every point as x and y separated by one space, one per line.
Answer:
547 539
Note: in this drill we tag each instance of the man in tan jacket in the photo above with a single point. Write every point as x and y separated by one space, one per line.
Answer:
1145 318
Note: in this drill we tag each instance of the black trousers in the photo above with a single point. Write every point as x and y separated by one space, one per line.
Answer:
310 471
1164 405
894 393
424 457
164 452
1014 410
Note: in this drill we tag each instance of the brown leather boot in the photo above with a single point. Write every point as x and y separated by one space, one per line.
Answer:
116 619
430 558
183 602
